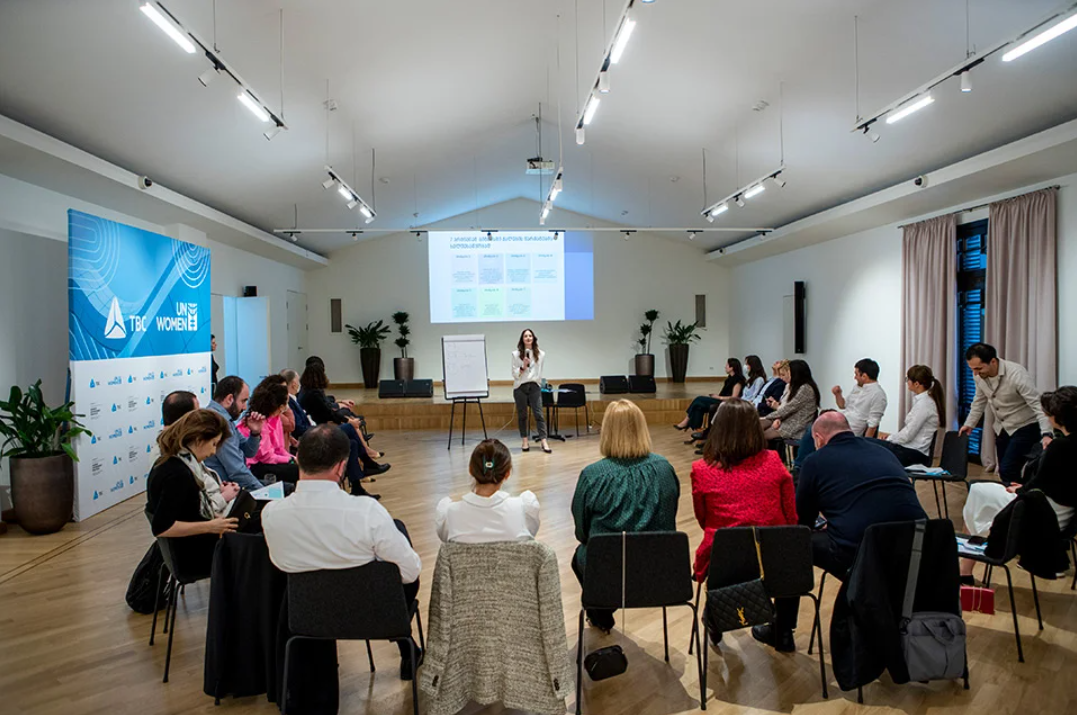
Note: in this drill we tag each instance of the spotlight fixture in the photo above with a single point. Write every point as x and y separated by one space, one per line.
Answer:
1067 21
355 235
754 191
871 134
914 106
579 135
208 76
170 25
604 81
691 235
349 194
739 201
627 234
778 181
272 132
749 190
966 82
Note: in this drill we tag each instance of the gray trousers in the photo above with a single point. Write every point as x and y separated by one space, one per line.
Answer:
527 395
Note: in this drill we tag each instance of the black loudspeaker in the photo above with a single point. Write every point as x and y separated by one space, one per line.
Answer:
799 314
643 384
392 388
613 384
419 388
250 291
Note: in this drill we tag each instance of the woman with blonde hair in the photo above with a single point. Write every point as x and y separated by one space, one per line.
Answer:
177 502
631 489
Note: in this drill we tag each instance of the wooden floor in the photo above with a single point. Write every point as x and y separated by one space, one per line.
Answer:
70 646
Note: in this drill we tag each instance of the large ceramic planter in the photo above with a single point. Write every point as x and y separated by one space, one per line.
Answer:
43 491
678 362
404 369
645 364
370 359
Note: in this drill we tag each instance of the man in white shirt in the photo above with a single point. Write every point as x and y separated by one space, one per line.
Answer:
866 403
1006 390
322 527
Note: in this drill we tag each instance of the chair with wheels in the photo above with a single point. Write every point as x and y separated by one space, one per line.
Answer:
180 573
364 603
787 565
638 570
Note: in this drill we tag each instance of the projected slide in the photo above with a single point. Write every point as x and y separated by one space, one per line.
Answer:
477 277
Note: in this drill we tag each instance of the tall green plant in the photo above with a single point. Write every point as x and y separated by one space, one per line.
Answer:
31 428
646 330
681 333
370 336
401 319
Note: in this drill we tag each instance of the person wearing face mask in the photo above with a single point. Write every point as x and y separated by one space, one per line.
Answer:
177 502
527 360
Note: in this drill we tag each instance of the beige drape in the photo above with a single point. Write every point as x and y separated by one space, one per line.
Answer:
929 306
1020 308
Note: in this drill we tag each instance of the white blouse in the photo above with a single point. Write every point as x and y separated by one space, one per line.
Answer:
754 388
478 520
520 375
921 424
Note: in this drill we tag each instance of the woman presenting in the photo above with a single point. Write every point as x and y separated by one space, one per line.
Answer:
527 362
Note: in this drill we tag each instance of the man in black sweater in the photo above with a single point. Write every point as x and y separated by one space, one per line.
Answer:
854 484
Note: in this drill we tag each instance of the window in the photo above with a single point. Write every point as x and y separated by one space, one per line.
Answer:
971 275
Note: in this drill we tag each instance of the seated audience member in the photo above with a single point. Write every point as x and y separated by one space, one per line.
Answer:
322 410
731 390
630 489
302 421
757 379
1008 393
175 405
739 482
488 513
912 444
177 502
270 399
1054 475
773 389
863 408
345 406
322 527
853 483
230 462
798 407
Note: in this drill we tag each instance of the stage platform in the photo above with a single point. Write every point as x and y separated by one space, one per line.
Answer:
667 405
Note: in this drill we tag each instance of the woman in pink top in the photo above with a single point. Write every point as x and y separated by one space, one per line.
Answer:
273 457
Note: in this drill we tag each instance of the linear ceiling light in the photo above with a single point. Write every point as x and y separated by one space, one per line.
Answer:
621 41
747 191
1064 25
169 25
348 194
248 101
754 191
592 107
909 108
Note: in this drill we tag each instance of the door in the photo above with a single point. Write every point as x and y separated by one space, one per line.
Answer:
297 330
246 338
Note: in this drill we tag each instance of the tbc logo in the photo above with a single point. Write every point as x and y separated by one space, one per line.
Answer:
114 329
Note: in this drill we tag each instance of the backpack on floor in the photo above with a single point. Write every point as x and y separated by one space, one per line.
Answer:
142 592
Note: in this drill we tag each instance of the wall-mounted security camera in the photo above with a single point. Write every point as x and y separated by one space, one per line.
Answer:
144 182
921 181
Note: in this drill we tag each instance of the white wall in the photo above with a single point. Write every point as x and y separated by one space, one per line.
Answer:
379 276
854 301
33 286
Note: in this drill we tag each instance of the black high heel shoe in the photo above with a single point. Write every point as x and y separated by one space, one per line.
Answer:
682 429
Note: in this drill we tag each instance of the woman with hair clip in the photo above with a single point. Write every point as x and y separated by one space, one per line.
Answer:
527 360
487 513
177 503
912 444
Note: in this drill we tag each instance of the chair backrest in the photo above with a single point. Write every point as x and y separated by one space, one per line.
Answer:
955 454
931 449
182 566
786 552
362 603
657 571
1013 534
576 398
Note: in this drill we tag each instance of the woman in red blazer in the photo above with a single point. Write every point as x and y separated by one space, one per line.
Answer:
739 482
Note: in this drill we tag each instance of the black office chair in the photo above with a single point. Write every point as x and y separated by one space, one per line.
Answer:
573 400
1010 553
657 573
364 603
955 460
180 574
787 567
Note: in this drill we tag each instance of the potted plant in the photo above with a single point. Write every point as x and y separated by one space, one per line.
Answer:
369 341
403 366
38 439
644 359
679 336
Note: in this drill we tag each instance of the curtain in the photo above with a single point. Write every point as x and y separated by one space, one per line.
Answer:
929 307
1020 308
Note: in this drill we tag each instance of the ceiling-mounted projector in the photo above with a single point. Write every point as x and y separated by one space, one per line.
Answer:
539 166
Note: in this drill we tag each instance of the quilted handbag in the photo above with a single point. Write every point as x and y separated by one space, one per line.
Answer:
739 605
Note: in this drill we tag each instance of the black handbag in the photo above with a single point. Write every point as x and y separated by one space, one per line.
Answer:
611 660
739 605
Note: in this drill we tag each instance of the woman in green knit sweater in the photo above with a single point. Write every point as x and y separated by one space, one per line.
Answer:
630 490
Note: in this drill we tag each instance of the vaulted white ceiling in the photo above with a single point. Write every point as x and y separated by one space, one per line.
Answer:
446 93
